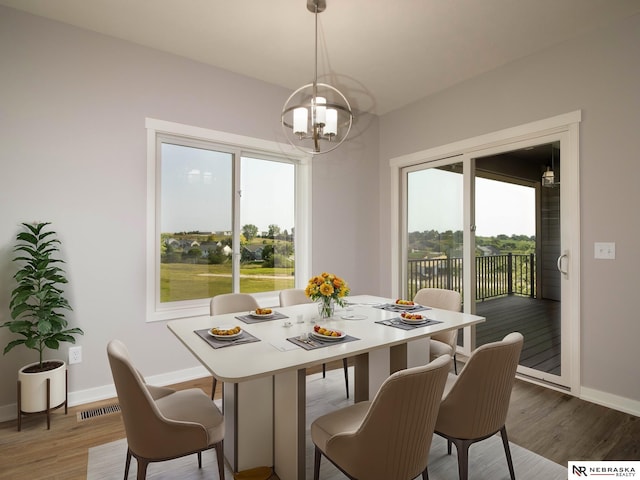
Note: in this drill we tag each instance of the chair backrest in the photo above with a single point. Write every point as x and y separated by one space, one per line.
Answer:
445 300
293 296
394 438
478 402
143 422
232 303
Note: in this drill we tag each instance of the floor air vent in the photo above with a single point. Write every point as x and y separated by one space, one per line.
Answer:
98 412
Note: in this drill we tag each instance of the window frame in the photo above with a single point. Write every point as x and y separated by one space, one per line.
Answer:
239 146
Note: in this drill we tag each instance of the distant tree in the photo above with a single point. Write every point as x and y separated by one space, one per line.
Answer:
267 256
274 231
216 256
194 253
249 231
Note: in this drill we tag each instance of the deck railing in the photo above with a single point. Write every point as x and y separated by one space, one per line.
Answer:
496 275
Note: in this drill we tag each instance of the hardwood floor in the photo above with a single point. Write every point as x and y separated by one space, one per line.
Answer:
552 424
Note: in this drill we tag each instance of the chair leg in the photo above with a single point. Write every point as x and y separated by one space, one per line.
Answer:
507 451
346 375
324 370
127 464
425 474
142 468
462 447
316 464
220 459
455 364
199 459
213 389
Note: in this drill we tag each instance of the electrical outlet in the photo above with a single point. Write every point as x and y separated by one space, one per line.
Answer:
75 355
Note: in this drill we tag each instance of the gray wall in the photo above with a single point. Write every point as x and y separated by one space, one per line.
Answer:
599 74
73 152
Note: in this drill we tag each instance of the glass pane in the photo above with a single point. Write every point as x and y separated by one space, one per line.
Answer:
435 228
267 213
196 223
517 245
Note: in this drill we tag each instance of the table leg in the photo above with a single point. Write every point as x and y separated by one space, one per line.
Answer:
248 417
417 352
361 374
289 413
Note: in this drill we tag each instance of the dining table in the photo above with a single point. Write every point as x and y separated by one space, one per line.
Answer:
263 366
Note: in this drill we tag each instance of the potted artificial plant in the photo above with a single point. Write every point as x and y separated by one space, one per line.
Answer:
37 310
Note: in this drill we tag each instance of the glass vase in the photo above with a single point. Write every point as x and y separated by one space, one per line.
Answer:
325 307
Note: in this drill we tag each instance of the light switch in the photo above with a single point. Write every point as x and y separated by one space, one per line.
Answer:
605 250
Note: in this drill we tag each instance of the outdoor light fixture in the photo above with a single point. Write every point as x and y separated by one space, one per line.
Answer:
549 177
316 118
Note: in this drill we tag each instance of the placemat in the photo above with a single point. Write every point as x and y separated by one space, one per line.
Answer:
391 307
249 319
396 322
246 337
314 343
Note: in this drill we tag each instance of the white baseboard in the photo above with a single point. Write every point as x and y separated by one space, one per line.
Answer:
80 397
622 404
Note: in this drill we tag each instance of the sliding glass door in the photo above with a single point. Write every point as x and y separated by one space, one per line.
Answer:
489 224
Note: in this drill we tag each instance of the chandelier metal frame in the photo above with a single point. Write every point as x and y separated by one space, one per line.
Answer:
317 117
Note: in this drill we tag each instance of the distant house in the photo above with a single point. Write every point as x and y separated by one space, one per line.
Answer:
252 252
489 250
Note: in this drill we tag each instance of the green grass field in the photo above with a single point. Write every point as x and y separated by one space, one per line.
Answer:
183 281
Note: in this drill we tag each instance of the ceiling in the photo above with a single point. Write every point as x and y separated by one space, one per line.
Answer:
381 54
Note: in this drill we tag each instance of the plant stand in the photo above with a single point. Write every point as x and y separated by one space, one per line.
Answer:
49 408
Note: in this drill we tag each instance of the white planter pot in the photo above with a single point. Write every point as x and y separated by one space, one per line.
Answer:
33 388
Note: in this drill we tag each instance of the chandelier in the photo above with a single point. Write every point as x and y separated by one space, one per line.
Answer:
316 118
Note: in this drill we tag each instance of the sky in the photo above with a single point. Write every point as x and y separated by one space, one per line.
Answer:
436 203
196 196
196 191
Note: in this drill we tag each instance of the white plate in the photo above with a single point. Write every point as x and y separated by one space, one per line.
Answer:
261 315
329 339
410 321
225 337
406 307
354 317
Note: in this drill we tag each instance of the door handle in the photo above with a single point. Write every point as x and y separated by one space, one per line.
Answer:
559 263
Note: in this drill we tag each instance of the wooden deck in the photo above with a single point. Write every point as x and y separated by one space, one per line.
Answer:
537 320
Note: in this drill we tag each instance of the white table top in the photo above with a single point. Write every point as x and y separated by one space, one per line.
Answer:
242 362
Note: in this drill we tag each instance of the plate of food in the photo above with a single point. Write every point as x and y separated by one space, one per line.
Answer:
329 334
412 318
225 332
262 313
405 304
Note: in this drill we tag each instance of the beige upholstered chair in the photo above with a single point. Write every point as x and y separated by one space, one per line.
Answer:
293 296
444 343
476 402
296 296
389 437
161 423
230 303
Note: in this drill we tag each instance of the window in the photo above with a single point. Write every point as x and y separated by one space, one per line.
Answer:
226 214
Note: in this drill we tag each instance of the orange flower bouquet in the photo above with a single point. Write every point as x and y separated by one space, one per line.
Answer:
327 289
